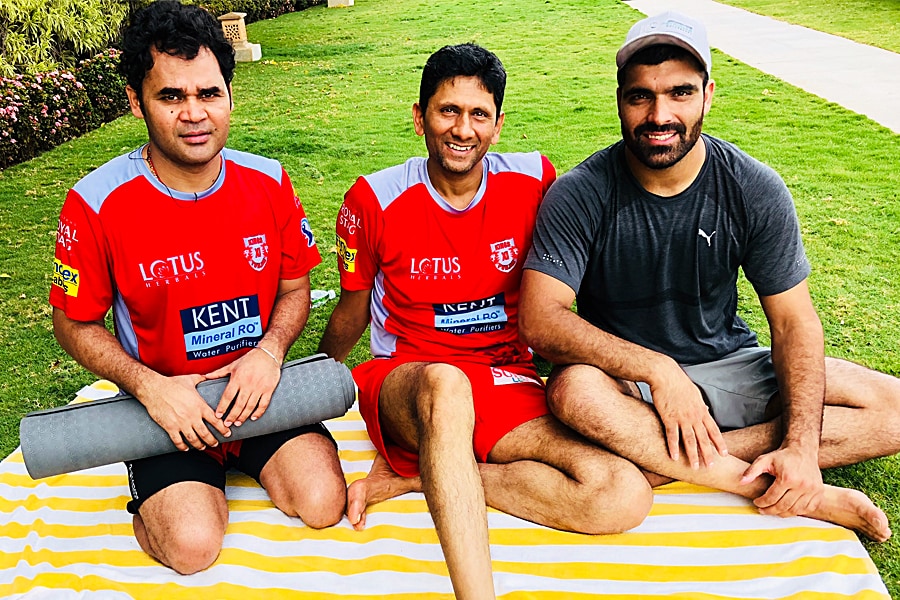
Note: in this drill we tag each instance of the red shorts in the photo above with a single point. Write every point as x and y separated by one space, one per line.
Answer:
504 398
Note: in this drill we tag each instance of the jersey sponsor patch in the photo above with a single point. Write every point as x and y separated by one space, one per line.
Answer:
221 327
66 234
172 269
476 316
346 254
65 277
256 251
348 221
307 232
504 377
505 255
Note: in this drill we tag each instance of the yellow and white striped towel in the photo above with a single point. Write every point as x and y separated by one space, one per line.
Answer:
69 537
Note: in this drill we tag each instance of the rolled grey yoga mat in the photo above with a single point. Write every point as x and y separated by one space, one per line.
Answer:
90 434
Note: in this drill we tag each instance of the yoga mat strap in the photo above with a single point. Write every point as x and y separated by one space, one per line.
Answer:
101 432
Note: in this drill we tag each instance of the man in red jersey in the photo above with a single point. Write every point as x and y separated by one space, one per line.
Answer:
204 255
430 254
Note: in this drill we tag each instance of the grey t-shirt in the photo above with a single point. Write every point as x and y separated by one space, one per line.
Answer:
662 272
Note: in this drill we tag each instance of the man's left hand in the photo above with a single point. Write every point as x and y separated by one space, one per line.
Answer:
798 487
253 379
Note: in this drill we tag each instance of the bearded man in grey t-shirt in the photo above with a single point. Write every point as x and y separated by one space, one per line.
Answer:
649 235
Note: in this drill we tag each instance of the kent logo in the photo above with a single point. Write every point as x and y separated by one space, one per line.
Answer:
221 327
474 316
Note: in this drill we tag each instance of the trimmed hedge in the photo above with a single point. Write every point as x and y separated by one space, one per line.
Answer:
41 111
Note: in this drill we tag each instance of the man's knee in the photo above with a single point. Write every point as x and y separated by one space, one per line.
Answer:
319 505
571 389
616 498
189 550
304 479
445 395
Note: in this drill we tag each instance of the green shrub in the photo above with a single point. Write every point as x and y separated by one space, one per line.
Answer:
42 35
39 112
104 86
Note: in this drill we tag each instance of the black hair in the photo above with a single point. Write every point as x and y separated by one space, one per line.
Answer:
657 54
176 29
463 60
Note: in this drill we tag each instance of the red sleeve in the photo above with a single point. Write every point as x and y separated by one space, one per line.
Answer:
81 283
299 253
356 232
548 175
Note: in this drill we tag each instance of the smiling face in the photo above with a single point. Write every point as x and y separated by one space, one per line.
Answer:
460 124
186 105
661 109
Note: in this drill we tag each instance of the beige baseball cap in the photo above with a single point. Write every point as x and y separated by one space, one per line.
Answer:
670 27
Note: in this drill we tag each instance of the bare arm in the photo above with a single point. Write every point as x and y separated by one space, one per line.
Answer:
347 323
548 325
798 355
173 402
255 375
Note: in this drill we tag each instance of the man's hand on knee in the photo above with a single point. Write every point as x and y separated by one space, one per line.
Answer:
687 421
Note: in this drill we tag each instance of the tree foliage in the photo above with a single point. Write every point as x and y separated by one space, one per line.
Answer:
42 35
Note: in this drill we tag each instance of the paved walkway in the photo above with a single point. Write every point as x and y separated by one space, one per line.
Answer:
861 78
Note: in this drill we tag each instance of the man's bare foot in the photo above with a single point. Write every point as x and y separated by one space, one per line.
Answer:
854 510
381 484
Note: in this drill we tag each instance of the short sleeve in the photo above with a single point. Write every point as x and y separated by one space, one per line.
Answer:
299 252
548 175
81 280
356 232
563 233
775 260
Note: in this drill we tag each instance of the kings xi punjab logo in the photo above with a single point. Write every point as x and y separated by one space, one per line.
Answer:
505 255
256 251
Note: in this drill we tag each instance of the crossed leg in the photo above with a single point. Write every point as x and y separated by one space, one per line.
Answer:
541 471
610 413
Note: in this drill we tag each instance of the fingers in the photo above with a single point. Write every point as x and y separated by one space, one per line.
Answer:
178 440
792 493
261 407
788 502
697 446
759 467
700 443
712 443
689 439
200 437
219 373
246 405
673 441
718 440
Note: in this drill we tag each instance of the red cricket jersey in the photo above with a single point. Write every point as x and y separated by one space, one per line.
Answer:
445 283
191 279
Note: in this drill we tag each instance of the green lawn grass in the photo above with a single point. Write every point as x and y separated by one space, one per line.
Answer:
872 22
332 100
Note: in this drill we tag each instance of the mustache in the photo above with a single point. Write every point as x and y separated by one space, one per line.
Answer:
651 128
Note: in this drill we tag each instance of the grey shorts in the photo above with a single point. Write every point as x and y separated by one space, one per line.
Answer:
737 387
